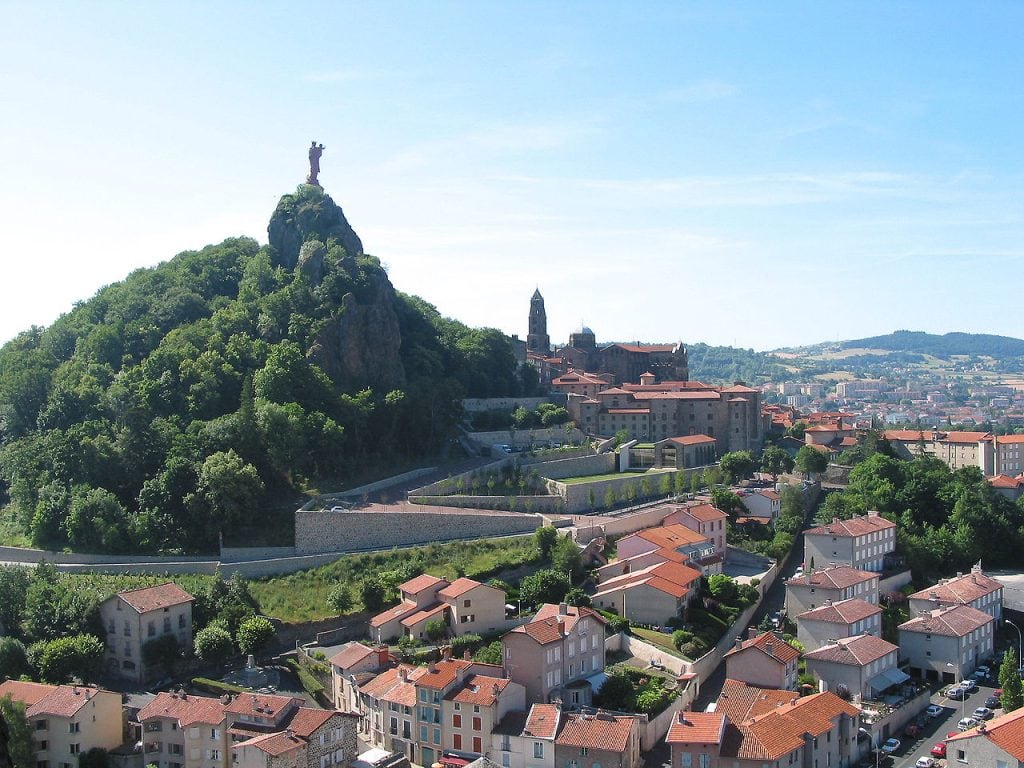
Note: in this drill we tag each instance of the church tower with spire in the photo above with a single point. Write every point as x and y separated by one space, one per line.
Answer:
537 339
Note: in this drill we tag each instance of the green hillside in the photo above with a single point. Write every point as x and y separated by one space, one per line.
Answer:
199 397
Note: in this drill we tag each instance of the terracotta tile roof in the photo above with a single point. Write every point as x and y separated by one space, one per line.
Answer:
833 577
186 709
146 599
389 686
271 706
60 700
692 440
425 615
351 654
544 631
696 728
613 391
740 701
459 587
688 395
671 536
572 615
770 645
542 721
543 628
306 720
769 493
859 650
739 388
274 744
443 673
1008 439
1005 731
706 513
860 525
479 689
776 733
955 621
967 437
842 612
960 589
419 583
27 693
628 410
601 731
1005 481
403 609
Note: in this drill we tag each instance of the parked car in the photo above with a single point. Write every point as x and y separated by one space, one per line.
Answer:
966 723
969 685
982 713
939 750
934 710
984 671
925 762
993 702
891 745
957 693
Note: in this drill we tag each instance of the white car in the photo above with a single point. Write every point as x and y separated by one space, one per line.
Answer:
925 762
934 710
966 723
890 746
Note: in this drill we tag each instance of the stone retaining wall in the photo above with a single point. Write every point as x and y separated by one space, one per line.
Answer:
475 404
528 504
323 531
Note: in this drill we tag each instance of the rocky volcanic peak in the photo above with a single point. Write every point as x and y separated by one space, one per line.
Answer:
360 345
309 214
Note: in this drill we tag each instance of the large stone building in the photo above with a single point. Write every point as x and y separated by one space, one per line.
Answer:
861 542
948 643
829 586
834 621
974 589
863 665
134 617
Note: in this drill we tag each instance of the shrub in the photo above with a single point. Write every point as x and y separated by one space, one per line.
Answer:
254 634
681 636
213 644
691 650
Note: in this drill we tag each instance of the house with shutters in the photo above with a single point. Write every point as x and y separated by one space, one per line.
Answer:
766 661
465 606
862 542
947 643
601 740
835 621
67 721
974 589
135 616
830 586
527 739
863 665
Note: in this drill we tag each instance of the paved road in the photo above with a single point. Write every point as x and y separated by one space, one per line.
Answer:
936 729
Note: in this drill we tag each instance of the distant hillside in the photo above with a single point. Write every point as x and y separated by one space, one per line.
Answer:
716 365
945 346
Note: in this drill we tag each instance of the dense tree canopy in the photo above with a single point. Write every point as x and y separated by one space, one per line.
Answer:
188 399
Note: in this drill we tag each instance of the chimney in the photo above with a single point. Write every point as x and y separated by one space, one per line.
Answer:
467 655
828 601
495 690
563 609
74 689
289 733
769 648
561 628
446 652
431 668
382 655
739 642
403 674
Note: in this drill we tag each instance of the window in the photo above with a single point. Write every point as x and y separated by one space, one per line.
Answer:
74 727
477 745
127 629
215 733
151 629
457 741
467 603
476 724
181 621
456 721
215 754
167 624
128 649
538 749
43 745
74 749
437 735
476 708
423 733
325 760
584 751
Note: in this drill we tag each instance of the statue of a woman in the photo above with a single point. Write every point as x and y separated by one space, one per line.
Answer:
315 150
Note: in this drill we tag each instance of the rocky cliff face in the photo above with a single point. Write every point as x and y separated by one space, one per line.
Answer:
360 345
309 213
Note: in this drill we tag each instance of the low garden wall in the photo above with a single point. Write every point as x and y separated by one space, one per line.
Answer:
541 504
894 582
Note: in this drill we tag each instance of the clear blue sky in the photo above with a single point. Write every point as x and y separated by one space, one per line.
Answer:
761 174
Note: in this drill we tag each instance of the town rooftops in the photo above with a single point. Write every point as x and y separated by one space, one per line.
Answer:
352 654
963 588
775 734
443 673
740 701
479 689
1005 731
308 719
668 577
459 587
542 722
53 700
394 613
146 599
274 744
859 650
927 436
705 513
833 577
261 704
841 611
955 621
419 583
424 615
771 646
671 536
550 623
1005 481
184 708
861 525
601 731
395 685
696 728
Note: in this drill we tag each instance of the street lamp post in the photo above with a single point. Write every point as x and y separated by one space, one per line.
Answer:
1020 642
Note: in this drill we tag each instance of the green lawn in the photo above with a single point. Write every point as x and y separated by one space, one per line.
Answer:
659 639
611 476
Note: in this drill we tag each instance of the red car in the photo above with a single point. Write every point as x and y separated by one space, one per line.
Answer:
939 750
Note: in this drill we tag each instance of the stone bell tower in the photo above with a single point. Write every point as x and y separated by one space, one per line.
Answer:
537 339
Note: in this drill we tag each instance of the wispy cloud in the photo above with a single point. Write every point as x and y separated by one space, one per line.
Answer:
699 92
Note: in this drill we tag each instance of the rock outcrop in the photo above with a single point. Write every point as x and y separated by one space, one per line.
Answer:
309 214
